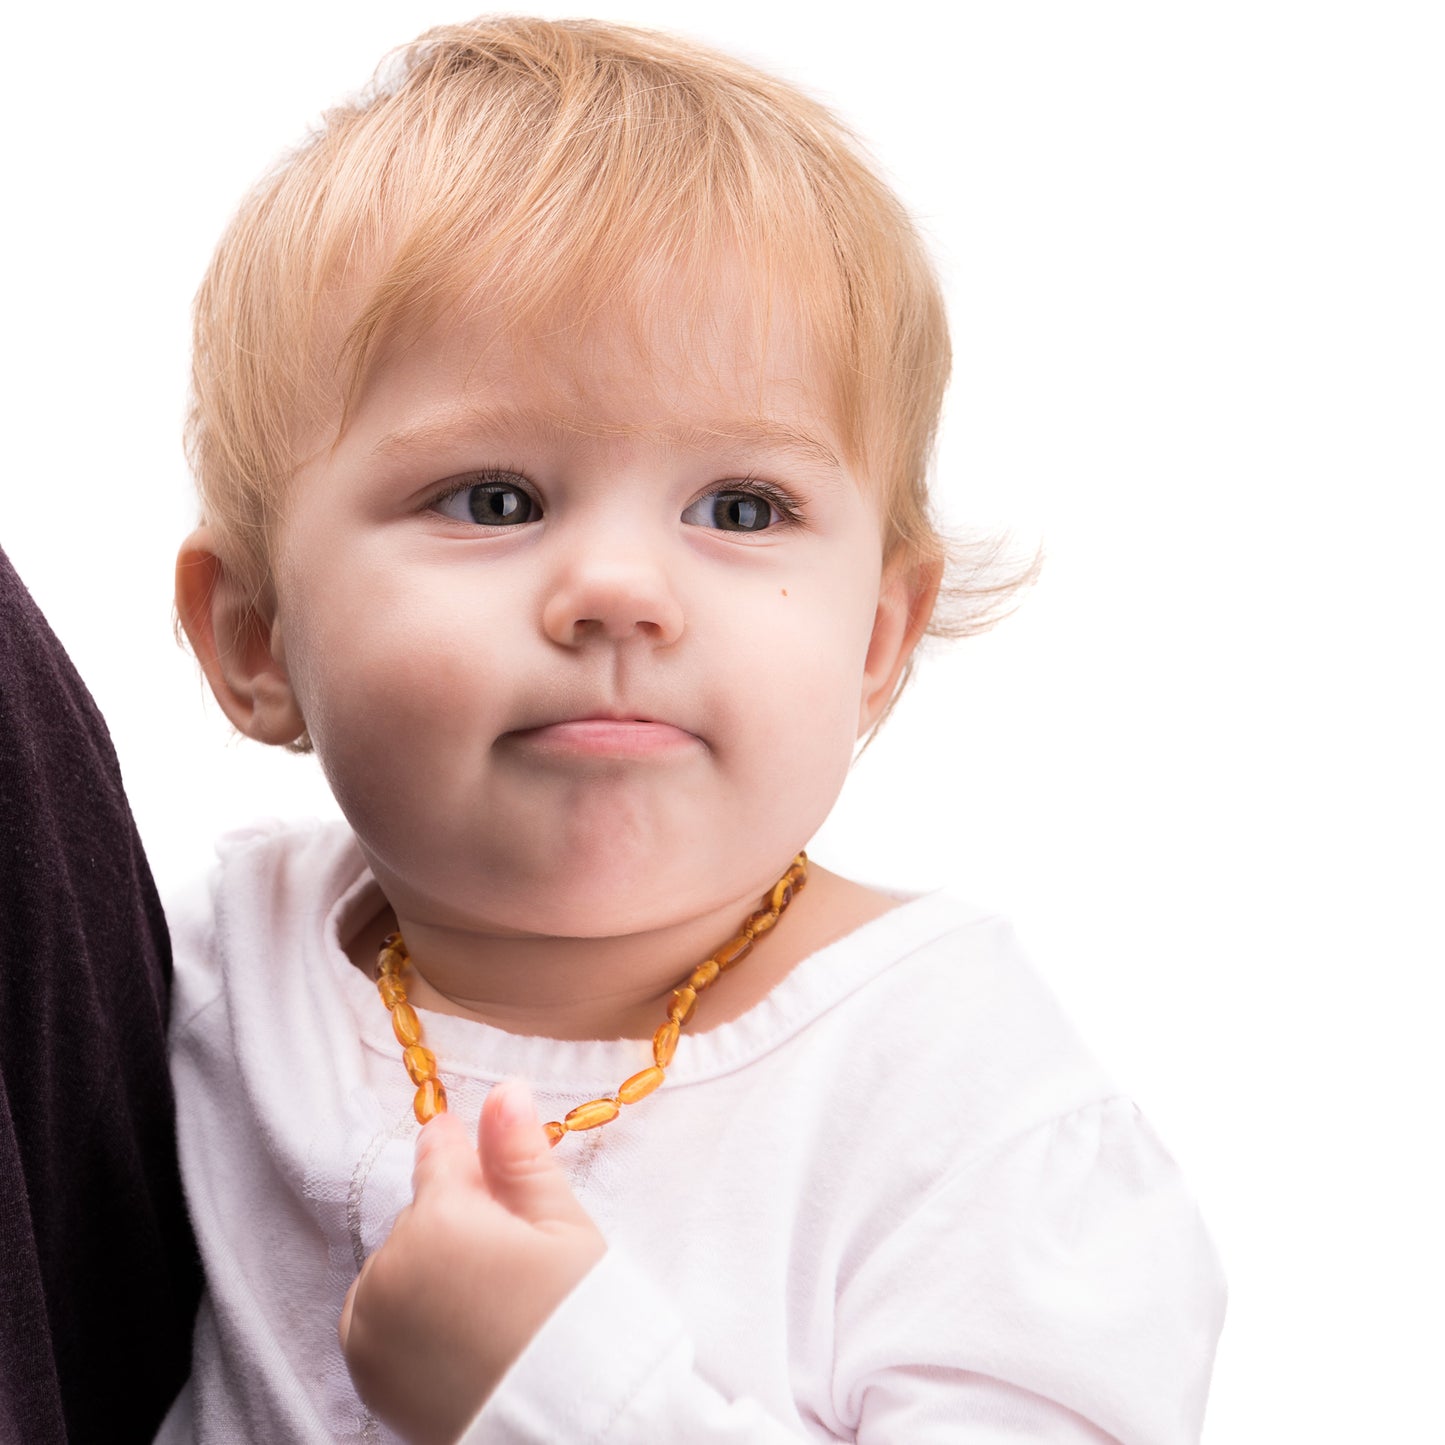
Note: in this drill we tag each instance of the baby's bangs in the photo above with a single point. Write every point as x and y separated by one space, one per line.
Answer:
549 191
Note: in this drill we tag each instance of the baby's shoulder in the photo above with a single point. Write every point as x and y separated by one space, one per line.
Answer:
947 991
942 1049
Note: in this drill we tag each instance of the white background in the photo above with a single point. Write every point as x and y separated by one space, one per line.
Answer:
1194 257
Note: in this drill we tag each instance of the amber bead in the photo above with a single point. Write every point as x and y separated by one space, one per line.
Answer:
782 894
664 1043
593 1113
420 1063
703 975
639 1086
798 874
405 1025
733 952
684 1000
391 989
759 922
431 1100
555 1132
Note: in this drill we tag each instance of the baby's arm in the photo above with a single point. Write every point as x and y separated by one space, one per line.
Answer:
1065 1295
498 1225
492 1243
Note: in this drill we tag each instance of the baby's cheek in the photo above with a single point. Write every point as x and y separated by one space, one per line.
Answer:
807 724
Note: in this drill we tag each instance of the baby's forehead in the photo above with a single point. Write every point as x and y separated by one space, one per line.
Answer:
691 370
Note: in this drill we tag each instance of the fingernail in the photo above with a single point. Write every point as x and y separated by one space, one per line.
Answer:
516 1104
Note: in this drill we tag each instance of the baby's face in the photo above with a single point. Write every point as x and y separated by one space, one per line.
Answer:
582 635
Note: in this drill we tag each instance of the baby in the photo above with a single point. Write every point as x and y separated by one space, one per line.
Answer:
562 417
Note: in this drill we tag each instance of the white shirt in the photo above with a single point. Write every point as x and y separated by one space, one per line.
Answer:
897 1201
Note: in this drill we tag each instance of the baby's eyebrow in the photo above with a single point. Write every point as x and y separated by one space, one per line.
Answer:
515 423
762 432
459 425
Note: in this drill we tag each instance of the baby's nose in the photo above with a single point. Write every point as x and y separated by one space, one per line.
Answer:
612 592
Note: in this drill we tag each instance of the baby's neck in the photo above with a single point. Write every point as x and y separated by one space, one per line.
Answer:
598 988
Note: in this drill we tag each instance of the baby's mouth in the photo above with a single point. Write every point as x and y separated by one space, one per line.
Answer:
604 737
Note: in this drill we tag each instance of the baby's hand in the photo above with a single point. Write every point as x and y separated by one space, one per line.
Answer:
491 1244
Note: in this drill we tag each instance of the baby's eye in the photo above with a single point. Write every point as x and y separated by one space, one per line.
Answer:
734 510
496 502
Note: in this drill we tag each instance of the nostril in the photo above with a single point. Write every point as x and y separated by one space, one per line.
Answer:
612 603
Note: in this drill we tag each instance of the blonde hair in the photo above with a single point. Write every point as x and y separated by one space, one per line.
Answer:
548 170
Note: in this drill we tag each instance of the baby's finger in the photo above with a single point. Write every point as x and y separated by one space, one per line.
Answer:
521 1172
444 1155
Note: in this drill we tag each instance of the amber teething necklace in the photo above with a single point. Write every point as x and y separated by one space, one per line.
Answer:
431 1098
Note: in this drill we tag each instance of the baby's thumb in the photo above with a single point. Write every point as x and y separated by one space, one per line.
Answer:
517 1161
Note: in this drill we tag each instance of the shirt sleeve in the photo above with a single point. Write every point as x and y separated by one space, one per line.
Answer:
1060 1290
614 1364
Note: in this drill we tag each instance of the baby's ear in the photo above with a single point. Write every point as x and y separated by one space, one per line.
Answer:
236 637
905 604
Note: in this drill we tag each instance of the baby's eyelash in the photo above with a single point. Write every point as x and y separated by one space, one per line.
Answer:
487 477
491 499
788 507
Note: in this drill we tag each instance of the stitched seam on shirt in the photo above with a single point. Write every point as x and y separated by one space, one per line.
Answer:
180 1026
962 1167
983 1156
359 1177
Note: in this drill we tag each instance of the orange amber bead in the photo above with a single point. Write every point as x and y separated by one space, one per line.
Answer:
759 922
391 989
733 952
593 1113
798 873
405 1025
391 963
639 1086
664 1043
703 975
782 894
420 1063
555 1132
684 1000
431 1100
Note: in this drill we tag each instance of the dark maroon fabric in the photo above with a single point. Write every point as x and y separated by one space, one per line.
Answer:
98 1276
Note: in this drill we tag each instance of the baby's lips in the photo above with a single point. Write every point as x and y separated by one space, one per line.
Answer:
607 736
